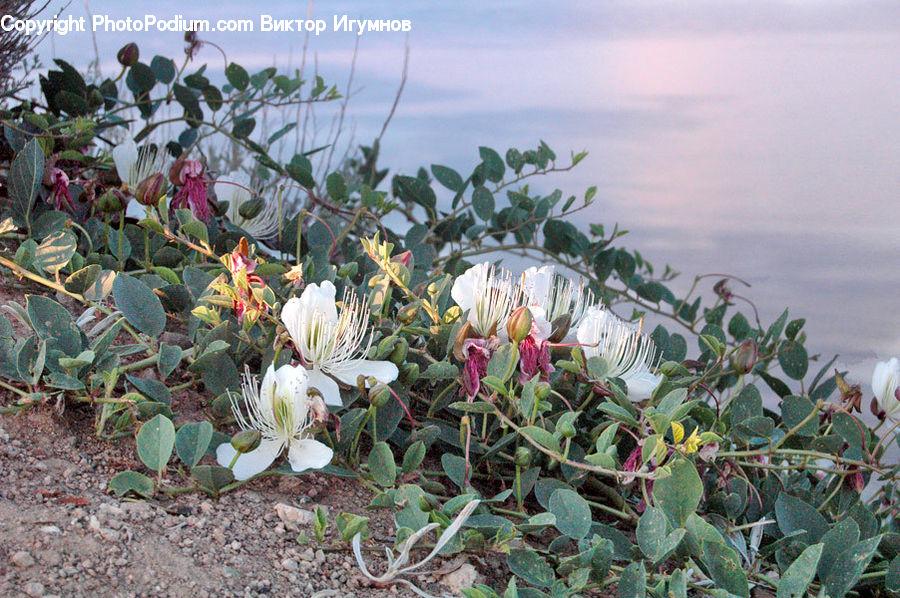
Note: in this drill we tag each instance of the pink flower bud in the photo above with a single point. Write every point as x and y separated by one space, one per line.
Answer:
151 189
519 324
128 55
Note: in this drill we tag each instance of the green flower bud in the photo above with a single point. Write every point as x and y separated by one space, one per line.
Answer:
567 429
128 54
151 189
379 395
432 487
744 357
519 324
559 328
407 313
542 390
409 373
384 347
251 208
523 457
110 203
401 350
246 440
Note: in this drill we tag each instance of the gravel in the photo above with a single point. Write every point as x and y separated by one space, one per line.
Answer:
64 535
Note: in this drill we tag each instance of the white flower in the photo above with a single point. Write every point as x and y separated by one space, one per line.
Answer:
885 381
233 188
489 296
555 294
628 353
330 343
282 411
134 165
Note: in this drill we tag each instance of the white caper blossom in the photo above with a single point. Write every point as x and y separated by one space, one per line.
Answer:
331 343
233 188
555 295
282 411
628 353
489 295
134 165
885 382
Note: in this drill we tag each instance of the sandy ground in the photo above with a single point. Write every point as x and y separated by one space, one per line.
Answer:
63 534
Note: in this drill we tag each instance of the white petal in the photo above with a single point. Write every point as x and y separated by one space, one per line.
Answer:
291 317
537 282
885 379
463 289
331 394
292 379
589 330
540 327
125 156
135 210
320 298
309 454
348 371
642 384
249 464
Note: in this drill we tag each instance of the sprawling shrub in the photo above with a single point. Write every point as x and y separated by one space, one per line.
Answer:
711 455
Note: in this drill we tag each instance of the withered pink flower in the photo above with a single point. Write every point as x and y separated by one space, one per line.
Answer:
60 194
534 358
192 194
478 353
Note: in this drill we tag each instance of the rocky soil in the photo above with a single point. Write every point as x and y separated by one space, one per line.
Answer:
63 534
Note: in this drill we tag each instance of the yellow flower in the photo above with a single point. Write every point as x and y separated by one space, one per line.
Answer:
677 432
691 444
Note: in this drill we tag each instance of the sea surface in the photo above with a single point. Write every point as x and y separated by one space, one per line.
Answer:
761 139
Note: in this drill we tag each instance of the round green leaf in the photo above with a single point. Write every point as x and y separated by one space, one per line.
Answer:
793 514
793 359
212 477
796 579
530 566
725 568
131 481
192 441
455 468
447 177
155 442
81 280
413 456
163 69
483 203
237 76
849 566
573 513
651 532
55 251
892 579
679 493
53 321
381 464
152 389
140 305
633 582
168 359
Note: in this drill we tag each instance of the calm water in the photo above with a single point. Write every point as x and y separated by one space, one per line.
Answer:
760 139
